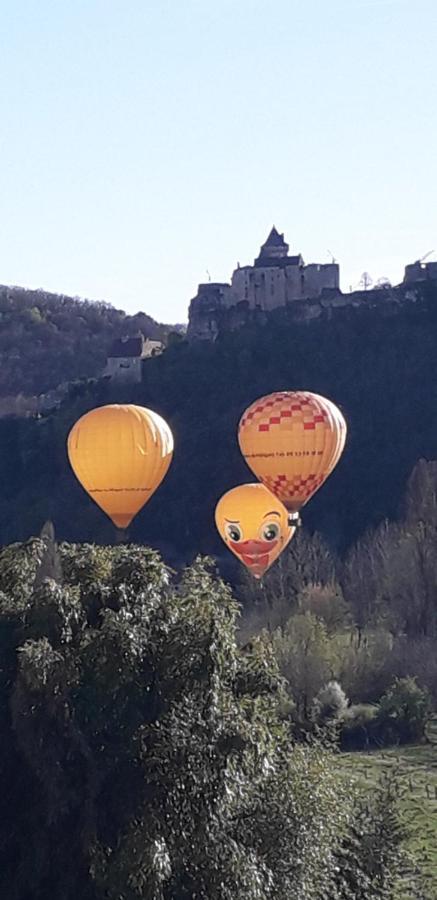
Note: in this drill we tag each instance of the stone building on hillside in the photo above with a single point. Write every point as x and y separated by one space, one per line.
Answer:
274 279
126 355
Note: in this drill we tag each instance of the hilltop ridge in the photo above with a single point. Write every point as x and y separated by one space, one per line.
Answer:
210 318
47 339
277 280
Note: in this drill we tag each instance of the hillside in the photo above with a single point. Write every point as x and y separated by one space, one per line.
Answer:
46 339
379 365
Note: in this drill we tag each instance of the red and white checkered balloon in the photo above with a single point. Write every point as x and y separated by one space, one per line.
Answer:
292 440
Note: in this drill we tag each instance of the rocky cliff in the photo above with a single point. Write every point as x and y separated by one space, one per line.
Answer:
209 316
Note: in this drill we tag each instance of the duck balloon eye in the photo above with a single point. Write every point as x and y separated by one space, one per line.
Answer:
271 531
233 532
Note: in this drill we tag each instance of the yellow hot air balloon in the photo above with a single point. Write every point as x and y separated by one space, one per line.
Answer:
254 526
120 454
292 440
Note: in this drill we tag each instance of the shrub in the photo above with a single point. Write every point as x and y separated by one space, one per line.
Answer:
358 727
404 712
306 657
326 601
373 859
401 717
366 668
330 704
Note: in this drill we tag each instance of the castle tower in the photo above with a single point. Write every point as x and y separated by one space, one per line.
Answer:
273 249
274 280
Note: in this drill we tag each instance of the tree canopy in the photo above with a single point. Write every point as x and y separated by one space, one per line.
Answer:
145 757
48 339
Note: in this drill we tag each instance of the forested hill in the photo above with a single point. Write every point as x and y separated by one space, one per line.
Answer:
46 339
379 366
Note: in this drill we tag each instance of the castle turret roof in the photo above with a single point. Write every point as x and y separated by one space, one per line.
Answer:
274 250
275 239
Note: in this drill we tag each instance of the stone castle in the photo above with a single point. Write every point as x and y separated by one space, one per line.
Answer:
275 279
306 292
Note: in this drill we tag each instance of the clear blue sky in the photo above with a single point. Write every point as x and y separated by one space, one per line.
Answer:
144 142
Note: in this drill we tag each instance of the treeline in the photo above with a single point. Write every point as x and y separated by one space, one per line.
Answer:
356 636
47 339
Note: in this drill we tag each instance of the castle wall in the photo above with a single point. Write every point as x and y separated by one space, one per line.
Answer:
419 271
294 281
205 310
263 287
267 287
126 369
240 286
431 270
318 277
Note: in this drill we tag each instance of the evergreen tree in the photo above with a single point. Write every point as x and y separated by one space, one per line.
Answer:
373 861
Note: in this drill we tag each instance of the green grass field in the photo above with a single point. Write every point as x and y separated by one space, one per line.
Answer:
416 768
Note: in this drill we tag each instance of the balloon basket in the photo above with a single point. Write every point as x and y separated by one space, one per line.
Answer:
294 520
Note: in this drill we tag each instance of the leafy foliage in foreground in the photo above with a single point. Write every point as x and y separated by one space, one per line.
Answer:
145 757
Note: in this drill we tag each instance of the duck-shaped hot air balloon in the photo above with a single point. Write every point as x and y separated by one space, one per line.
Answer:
254 526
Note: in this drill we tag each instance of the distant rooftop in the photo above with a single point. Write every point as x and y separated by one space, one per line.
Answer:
126 347
274 252
275 240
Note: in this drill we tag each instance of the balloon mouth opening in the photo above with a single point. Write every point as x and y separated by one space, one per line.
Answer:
293 506
121 520
253 549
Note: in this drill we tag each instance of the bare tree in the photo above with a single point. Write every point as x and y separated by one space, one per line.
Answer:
366 281
391 574
270 603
